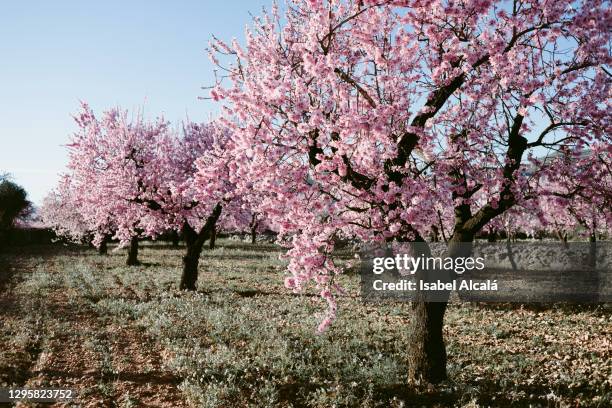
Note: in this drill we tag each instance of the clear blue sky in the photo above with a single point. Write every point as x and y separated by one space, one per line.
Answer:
108 53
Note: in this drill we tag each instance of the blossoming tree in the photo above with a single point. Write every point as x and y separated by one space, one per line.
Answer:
364 117
60 212
577 196
151 179
105 177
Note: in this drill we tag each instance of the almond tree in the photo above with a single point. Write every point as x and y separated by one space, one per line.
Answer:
151 179
68 212
364 117
104 178
60 212
577 196
243 220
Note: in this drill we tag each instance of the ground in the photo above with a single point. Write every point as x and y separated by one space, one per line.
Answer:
126 337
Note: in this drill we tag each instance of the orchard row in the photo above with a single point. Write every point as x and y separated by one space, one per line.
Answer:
403 120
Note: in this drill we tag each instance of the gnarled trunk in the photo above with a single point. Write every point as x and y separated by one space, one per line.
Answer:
593 249
195 241
190 259
435 236
563 238
254 223
426 349
103 248
511 253
213 237
132 259
175 239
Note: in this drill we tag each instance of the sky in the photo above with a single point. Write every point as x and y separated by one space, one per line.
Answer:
133 54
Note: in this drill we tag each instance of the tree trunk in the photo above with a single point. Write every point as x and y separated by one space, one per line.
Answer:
593 249
563 238
195 241
190 260
426 348
103 248
132 259
510 253
175 239
213 237
254 223
435 234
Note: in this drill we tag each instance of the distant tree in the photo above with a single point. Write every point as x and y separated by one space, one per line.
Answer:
152 179
14 205
60 212
63 212
244 221
107 157
577 196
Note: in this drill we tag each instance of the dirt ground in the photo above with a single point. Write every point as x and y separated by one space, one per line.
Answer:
125 337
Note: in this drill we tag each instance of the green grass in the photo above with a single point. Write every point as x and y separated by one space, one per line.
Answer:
244 340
